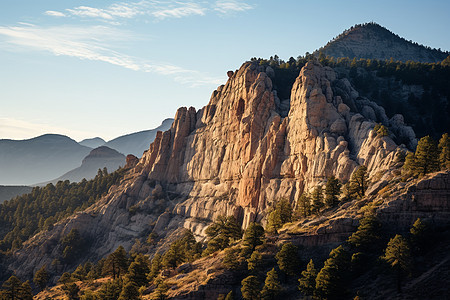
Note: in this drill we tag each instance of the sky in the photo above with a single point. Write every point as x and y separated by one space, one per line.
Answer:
87 68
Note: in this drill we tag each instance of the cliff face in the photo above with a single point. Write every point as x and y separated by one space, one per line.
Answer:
236 156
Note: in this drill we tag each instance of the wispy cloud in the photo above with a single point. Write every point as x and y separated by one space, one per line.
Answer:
230 6
11 128
158 9
54 13
96 43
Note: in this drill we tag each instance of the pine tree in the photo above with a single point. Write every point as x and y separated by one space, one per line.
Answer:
250 288
12 288
155 267
359 181
332 191
398 256
25 292
160 292
426 157
129 291
110 290
368 233
116 264
254 263
71 290
307 283
409 165
287 259
230 260
223 231
138 270
281 214
444 152
253 236
41 278
332 278
419 236
317 199
272 286
304 205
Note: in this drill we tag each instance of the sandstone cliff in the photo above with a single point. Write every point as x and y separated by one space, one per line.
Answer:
237 155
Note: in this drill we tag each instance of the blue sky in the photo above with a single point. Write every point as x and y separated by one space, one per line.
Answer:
107 68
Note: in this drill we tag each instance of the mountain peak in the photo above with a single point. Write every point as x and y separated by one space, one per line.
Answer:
373 41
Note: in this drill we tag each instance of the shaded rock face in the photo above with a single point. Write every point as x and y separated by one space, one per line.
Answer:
235 156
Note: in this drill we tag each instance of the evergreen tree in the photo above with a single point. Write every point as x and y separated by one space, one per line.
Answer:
116 264
368 233
254 263
419 236
409 165
307 283
359 181
71 290
72 245
129 291
317 199
287 259
223 231
332 278
250 288
398 256
12 288
332 191
155 267
25 292
110 290
304 205
444 152
272 286
281 214
253 236
230 260
138 270
160 292
426 157
41 278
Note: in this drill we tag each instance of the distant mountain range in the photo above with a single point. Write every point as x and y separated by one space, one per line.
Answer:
44 158
373 41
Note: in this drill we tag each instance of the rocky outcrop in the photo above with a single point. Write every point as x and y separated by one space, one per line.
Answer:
235 156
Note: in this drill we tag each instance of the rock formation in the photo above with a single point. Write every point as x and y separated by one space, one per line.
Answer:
235 156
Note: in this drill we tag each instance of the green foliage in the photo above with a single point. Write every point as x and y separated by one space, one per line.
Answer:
317 199
250 288
26 215
129 291
41 277
138 270
381 130
288 260
223 231
231 259
332 191
420 235
303 205
72 245
254 263
253 236
116 264
398 255
281 214
368 234
14 288
71 290
160 293
332 278
185 249
359 181
272 286
444 152
426 157
307 282
155 267
110 290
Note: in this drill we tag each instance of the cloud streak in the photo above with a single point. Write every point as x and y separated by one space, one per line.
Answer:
157 9
95 43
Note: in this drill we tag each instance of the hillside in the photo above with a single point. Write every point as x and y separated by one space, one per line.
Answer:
9 192
373 41
93 142
38 159
99 158
136 143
